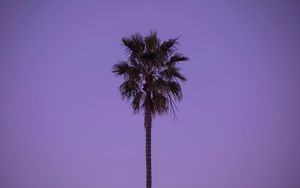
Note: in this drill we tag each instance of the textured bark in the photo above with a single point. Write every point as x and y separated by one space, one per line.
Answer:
148 126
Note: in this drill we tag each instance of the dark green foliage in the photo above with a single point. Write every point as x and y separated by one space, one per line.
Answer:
151 69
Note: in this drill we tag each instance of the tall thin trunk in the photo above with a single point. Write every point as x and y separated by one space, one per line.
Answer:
148 126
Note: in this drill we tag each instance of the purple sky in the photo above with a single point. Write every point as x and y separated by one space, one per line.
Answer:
63 124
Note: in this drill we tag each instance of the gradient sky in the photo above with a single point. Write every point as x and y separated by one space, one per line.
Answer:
63 124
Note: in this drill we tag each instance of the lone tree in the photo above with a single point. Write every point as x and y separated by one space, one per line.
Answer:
151 80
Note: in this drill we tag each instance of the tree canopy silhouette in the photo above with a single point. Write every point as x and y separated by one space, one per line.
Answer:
151 80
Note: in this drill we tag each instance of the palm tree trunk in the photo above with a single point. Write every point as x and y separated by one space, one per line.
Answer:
148 126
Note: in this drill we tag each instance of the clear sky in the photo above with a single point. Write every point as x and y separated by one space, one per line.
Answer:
63 124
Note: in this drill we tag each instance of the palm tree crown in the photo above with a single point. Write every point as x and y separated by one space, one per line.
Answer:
151 72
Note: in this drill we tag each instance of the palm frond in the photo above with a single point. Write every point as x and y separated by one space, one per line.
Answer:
177 57
152 42
175 90
168 48
170 90
165 87
161 104
129 89
134 45
129 72
172 73
160 86
137 101
121 68
134 61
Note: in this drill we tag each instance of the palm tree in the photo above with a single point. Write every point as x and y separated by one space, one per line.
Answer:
151 80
